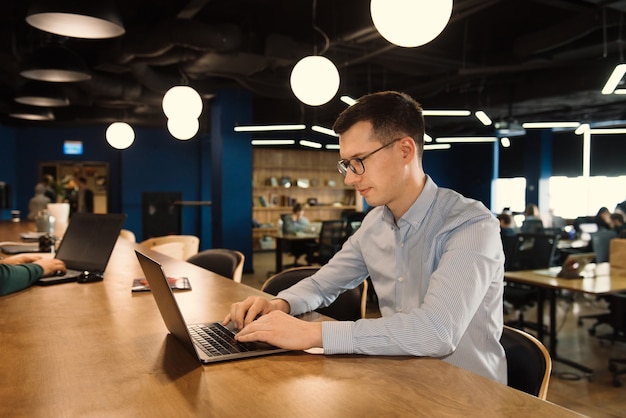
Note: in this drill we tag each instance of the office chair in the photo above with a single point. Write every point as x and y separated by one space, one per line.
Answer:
528 362
617 319
600 242
190 244
352 223
349 306
330 240
228 263
530 252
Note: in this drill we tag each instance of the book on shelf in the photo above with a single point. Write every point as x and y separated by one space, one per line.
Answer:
259 201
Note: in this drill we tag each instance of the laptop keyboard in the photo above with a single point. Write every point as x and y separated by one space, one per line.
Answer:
216 340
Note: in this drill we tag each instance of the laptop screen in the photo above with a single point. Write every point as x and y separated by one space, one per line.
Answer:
89 240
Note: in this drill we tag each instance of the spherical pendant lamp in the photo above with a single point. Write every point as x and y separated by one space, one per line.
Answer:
120 135
410 23
183 128
183 102
314 80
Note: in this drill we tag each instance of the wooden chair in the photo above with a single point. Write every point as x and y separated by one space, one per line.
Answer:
190 245
349 306
128 234
528 362
228 263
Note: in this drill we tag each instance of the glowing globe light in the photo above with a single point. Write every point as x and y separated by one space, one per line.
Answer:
182 101
314 80
183 128
410 23
120 135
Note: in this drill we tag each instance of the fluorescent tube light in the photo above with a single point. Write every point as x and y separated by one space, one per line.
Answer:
273 142
446 112
310 144
332 146
581 129
269 128
619 91
549 125
483 118
323 130
607 131
614 79
348 100
475 139
432 147
427 138
505 142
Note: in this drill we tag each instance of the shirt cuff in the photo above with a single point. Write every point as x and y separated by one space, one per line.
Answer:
337 337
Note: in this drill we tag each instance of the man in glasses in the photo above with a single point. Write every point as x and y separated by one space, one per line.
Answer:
434 257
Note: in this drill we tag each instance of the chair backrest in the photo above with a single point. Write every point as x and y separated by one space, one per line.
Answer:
600 242
353 222
330 240
532 226
173 249
128 234
535 251
349 306
528 362
191 243
228 263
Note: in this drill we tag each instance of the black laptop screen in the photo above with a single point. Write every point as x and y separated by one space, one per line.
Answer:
89 240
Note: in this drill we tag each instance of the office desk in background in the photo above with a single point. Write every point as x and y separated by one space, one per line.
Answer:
601 285
282 244
99 350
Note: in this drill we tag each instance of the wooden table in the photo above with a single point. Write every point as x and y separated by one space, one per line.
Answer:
600 285
99 350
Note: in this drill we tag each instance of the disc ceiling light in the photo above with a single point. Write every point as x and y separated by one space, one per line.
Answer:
55 63
39 93
89 19
410 23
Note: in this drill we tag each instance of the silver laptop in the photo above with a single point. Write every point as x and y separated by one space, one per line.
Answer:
87 245
208 342
577 263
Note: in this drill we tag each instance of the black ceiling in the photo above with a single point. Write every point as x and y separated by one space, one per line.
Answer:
524 60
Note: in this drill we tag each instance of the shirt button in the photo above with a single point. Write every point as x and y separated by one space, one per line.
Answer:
400 279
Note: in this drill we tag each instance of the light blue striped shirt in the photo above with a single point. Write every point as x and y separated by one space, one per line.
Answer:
438 275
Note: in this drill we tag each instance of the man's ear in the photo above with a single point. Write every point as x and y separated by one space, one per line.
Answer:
408 147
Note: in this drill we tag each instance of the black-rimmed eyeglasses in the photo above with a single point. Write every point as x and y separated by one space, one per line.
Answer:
356 164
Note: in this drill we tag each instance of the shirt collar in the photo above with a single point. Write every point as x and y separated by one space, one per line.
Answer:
418 210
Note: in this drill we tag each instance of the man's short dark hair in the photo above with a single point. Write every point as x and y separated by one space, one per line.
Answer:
297 208
392 115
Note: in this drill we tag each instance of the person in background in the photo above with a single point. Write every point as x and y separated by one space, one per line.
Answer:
38 202
300 222
532 222
620 208
617 220
48 182
434 257
603 219
21 271
506 224
82 197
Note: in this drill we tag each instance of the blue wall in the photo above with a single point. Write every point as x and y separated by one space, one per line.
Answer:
215 166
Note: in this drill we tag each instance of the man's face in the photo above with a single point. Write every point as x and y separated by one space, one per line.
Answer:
379 183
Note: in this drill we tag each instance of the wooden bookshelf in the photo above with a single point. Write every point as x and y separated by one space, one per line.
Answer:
280 178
